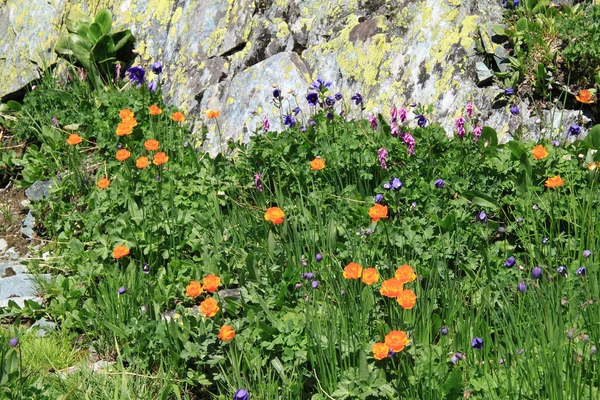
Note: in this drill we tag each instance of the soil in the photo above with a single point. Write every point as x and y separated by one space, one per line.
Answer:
12 214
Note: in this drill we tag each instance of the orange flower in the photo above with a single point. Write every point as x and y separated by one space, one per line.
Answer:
178 116
193 289
275 215
103 183
317 164
391 287
554 182
405 274
407 299
585 96
226 333
124 128
211 283
160 158
123 155
126 113
370 276
142 162
155 110
151 145
352 271
396 340
377 212
539 152
120 251
210 114
380 351
74 139
209 307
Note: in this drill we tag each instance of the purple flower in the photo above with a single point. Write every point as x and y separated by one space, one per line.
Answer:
152 86
396 184
321 85
289 121
277 93
459 356
520 220
444 331
122 290
303 128
146 268
157 67
136 74
510 262
477 343
402 115
387 186
470 109
241 395
266 124
535 207
410 143
422 121
439 183
378 198
580 271
338 96
556 143
587 253
574 130
329 115
373 121
481 217
309 276
477 133
319 257
382 155
13 342
312 98
520 351
536 273
514 110
143 308
454 359
413 204
460 126
394 130
394 113
315 284
185 144
258 181
158 177
562 270
118 71
522 287
509 91
296 110
391 353
311 122
55 121
329 101
357 99
501 229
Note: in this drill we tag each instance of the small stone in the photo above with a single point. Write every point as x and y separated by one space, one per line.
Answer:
484 75
12 254
3 245
25 203
27 226
102 366
43 326
39 190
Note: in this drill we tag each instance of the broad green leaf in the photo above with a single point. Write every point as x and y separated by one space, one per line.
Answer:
104 20
481 199
489 135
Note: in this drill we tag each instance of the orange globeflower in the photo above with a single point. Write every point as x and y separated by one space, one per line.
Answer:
124 128
539 152
407 299
377 212
396 340
142 162
275 215
160 158
352 271
554 182
391 287
226 333
126 113
74 139
151 145
123 155
210 114
209 307
211 283
380 351
317 164
584 96
103 183
193 289
370 276
154 110
178 116
120 251
405 274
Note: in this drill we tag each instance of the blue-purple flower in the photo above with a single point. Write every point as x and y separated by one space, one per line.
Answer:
338 96
321 85
481 217
444 331
319 257
562 270
152 86
574 130
157 67
556 143
13 342
522 287
241 395
329 115
357 98
122 290
296 110
396 184
514 110
276 93
580 271
421 120
329 101
510 262
289 121
587 253
136 74
146 268
313 99
477 343
387 186
439 183
315 284
536 273
509 91
378 198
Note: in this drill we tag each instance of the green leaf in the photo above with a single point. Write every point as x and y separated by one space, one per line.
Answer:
12 105
453 384
104 50
489 135
481 199
94 33
515 148
104 20
593 137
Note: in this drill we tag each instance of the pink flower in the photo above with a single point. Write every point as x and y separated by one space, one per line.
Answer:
266 124
373 121
402 115
470 109
410 143
394 113
477 133
460 126
394 130
382 154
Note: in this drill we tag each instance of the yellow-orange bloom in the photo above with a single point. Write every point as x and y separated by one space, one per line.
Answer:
126 113
123 155
178 116
539 152
405 274
211 283
74 139
210 114
317 164
124 128
103 183
378 212
407 299
370 276
391 287
380 351
396 340
154 110
352 271
142 162
120 251
151 145
193 289
585 96
209 307
554 182
275 215
160 158
226 333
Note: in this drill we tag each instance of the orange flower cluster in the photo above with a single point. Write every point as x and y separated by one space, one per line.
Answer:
394 287
539 152
154 110
226 333
210 283
74 139
554 182
103 183
120 251
395 342
368 276
178 116
317 164
275 215
211 114
378 212
585 97
127 124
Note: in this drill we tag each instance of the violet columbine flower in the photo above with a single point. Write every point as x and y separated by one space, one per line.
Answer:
312 122
241 395
509 91
413 204
373 121
514 110
481 217
574 130
55 121
122 290
580 271
410 143
315 284
422 121
329 101
309 276
266 124
303 128
460 126
185 144
338 96
357 99
477 343
321 85
289 121
157 67
378 198
276 93
470 109
562 270
522 287
296 110
454 359
536 273
520 220
13 342
587 253
152 86
444 331
402 114
136 74
387 186
394 113
439 183
477 133
510 262
396 184
556 143
312 98
329 115
319 257
258 181
501 229
459 356
382 155
146 268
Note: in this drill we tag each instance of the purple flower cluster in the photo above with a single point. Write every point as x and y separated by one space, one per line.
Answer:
469 109
258 181
477 133
266 124
382 155
410 143
373 121
460 126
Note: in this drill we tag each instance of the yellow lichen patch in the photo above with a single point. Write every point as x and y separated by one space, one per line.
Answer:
230 101
283 30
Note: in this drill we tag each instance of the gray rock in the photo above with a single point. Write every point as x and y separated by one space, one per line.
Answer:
102 366
12 254
3 245
20 285
12 266
25 203
484 75
230 293
39 190
43 326
27 226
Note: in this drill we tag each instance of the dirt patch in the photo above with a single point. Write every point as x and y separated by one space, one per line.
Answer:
12 213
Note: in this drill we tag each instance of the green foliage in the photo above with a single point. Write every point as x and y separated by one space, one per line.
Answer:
581 34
